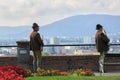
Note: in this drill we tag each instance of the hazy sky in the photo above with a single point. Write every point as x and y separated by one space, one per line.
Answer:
25 12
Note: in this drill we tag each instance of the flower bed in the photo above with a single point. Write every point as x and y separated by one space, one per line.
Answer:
13 73
79 72
43 72
19 73
83 72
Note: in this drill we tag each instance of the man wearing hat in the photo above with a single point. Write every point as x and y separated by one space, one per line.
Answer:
102 45
36 45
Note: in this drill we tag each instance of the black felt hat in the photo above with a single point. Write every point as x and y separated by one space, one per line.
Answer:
35 25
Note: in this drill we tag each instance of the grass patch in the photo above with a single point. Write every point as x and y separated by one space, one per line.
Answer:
74 78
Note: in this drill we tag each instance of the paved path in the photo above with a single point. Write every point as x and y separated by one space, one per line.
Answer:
108 74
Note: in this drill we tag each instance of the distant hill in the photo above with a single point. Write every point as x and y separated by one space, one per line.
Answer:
80 25
16 32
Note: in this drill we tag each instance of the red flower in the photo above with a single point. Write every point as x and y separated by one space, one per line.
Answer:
63 73
13 73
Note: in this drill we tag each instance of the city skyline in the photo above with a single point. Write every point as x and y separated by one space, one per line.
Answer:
25 12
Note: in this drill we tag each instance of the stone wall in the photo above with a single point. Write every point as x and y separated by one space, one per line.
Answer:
70 62
113 61
8 60
64 63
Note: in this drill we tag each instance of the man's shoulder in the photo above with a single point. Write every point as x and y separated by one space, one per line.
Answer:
33 34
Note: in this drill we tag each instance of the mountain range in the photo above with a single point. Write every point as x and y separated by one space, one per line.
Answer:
74 26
